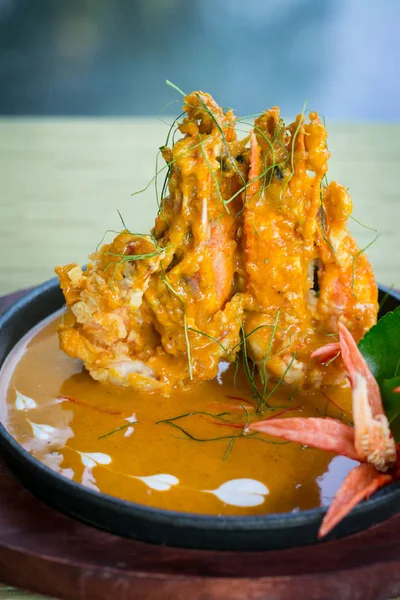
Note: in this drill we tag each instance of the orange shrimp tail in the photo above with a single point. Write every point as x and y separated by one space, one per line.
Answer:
326 434
254 184
355 363
326 352
359 484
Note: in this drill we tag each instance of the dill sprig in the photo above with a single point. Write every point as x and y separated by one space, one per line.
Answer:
244 434
261 396
133 257
246 367
115 431
164 109
245 185
270 169
244 188
219 416
328 362
250 436
127 258
229 448
175 87
104 236
263 371
323 413
165 167
139 235
363 225
123 222
246 117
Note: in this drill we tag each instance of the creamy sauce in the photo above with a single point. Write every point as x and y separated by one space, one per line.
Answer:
59 414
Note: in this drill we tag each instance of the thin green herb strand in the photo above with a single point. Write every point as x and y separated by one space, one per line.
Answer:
229 449
233 162
134 257
219 416
357 256
175 87
269 349
115 431
246 367
103 238
138 235
247 335
332 359
362 224
165 107
210 337
223 437
261 407
122 221
165 167
127 258
325 413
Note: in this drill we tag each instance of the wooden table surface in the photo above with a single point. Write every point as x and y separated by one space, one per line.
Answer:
62 180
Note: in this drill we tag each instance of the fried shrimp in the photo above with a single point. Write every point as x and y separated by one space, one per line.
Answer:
250 246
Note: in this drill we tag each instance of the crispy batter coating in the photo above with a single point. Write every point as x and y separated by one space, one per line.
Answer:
248 238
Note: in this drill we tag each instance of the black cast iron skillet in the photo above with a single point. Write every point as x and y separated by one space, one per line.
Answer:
264 532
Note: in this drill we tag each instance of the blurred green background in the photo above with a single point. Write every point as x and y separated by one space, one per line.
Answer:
82 82
111 57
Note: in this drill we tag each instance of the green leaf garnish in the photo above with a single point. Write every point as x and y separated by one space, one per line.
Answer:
380 347
391 399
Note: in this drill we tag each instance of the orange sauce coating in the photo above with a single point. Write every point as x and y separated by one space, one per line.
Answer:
296 477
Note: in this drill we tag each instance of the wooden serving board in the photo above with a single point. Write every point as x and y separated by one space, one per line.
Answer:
45 551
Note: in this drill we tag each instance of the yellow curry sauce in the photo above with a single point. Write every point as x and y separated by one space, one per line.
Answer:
57 412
